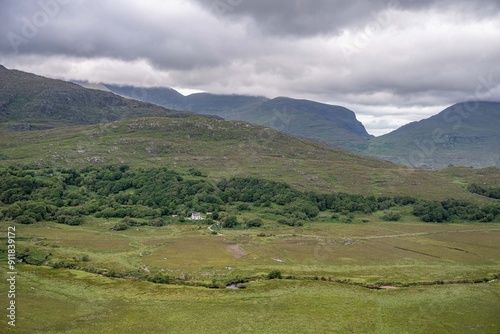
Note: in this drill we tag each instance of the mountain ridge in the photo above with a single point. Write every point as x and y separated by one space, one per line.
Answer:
32 102
333 125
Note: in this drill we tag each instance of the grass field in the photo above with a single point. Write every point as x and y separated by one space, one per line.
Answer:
401 254
64 301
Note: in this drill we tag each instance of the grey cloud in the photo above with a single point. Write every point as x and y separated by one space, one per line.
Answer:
299 17
92 28
312 17
269 47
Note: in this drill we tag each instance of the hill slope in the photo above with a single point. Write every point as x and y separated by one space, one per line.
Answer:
28 101
224 149
466 134
333 125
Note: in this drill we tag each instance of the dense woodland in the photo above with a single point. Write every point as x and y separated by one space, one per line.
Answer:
152 196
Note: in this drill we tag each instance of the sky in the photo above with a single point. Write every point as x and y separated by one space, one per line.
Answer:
390 61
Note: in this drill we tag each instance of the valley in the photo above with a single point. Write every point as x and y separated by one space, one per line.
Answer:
310 238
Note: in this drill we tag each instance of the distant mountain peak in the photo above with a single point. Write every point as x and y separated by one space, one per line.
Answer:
464 134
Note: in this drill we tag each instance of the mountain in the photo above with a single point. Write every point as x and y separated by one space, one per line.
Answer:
220 105
201 103
333 125
30 102
165 97
465 134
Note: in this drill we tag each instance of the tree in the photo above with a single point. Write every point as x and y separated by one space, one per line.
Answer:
302 207
230 222
243 207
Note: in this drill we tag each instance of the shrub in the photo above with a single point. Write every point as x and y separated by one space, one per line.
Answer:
64 264
25 219
196 172
290 222
431 211
301 208
157 222
120 226
12 211
70 220
35 257
275 274
160 278
256 222
391 216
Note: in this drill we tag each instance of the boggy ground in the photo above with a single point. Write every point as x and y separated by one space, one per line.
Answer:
313 259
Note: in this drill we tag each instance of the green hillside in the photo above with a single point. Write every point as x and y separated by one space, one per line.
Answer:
30 102
222 149
466 134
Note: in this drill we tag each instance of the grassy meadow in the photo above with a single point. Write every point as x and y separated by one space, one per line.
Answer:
326 267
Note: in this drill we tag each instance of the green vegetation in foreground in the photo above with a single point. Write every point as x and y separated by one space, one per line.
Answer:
69 301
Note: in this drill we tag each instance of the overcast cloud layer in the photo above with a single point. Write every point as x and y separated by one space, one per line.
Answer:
390 61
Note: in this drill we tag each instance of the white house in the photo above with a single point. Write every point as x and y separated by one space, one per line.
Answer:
196 216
